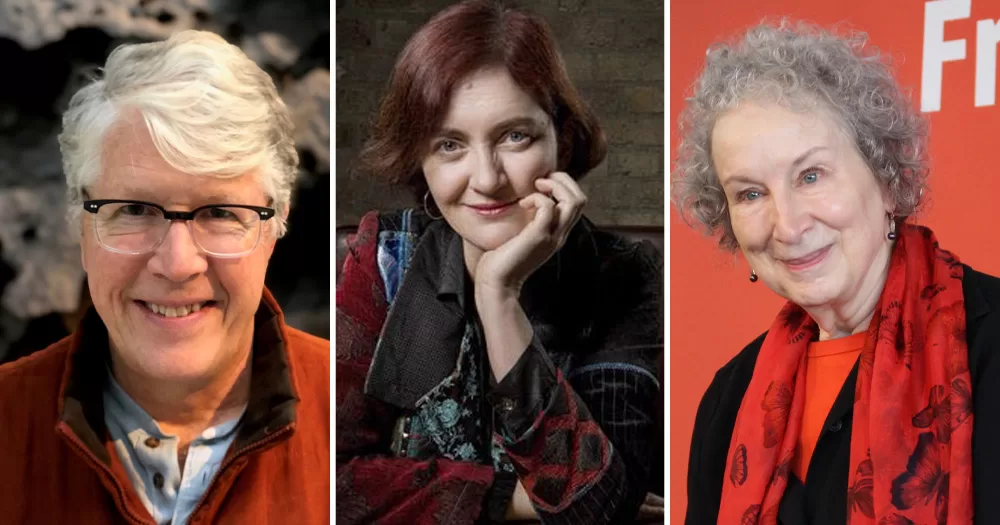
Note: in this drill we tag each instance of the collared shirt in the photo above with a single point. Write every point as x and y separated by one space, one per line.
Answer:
150 456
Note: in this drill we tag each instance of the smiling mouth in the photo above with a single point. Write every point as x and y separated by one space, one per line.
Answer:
491 209
176 311
808 261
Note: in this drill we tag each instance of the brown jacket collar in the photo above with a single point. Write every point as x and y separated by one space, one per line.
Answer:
270 409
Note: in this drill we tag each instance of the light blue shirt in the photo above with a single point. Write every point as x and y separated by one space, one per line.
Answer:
150 457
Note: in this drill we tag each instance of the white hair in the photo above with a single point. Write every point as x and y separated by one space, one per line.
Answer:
209 109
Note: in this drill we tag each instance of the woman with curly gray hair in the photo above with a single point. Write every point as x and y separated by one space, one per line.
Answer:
799 149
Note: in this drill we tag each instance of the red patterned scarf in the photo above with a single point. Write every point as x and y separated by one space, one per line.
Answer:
911 443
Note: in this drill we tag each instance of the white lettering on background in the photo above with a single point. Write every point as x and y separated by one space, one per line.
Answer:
987 36
937 51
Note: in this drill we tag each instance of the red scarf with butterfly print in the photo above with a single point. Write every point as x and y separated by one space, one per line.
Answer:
911 442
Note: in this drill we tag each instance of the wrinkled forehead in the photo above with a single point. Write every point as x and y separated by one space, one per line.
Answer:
132 168
800 101
760 140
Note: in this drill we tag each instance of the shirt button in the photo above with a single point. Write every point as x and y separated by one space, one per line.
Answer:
506 405
158 480
152 442
836 426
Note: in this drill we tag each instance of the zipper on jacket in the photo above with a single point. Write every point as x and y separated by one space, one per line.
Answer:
225 464
90 458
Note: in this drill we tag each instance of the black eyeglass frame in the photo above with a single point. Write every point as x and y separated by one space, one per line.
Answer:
93 206
263 212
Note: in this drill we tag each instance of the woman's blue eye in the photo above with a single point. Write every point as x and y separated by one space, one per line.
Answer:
517 136
811 177
751 195
448 145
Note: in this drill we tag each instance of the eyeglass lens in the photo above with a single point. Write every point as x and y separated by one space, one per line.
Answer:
139 228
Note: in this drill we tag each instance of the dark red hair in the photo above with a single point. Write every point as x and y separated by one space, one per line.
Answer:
458 41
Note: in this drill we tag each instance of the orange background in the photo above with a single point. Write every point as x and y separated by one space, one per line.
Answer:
714 309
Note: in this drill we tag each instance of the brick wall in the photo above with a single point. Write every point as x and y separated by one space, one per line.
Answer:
613 50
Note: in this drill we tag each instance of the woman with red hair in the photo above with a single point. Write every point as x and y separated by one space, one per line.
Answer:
496 353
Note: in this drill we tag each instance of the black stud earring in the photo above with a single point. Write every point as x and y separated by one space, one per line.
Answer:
753 276
892 229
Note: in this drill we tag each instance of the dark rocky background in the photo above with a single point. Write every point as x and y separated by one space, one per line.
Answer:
46 46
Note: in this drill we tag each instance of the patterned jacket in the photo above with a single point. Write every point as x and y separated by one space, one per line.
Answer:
424 433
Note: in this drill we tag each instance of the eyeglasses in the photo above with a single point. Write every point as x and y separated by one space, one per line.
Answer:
137 227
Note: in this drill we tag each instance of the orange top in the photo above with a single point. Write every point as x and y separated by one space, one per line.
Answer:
828 363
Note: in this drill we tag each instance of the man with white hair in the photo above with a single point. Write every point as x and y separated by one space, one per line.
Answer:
182 397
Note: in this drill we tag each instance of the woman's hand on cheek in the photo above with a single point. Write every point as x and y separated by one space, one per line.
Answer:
558 205
501 273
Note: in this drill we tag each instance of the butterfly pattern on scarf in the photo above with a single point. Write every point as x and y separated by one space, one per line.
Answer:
798 324
936 414
961 402
859 496
781 471
925 481
916 344
738 466
954 265
752 516
777 404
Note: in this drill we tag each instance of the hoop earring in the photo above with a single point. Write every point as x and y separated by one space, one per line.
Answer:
892 228
427 210
753 276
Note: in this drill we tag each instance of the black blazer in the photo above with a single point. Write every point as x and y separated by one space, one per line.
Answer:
823 499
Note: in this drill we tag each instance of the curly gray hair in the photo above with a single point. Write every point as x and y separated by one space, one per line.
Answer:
800 66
